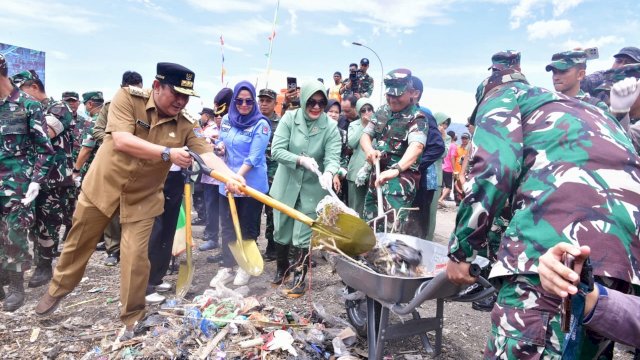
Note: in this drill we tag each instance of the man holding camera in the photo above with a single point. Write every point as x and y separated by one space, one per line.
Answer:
350 83
364 81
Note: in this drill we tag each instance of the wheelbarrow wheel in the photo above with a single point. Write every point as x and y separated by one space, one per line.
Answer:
357 313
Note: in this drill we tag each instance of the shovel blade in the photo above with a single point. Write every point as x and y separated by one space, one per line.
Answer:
185 278
248 256
351 234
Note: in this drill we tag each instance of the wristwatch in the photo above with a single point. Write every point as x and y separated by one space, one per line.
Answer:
396 166
166 156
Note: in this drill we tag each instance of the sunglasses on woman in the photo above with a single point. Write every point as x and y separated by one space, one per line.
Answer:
247 101
313 102
366 109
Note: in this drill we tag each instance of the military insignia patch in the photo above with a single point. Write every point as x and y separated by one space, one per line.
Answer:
198 132
143 124
265 130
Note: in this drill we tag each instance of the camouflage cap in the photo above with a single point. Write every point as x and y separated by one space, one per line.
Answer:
70 95
566 60
268 93
505 60
612 76
92 95
396 81
498 78
20 78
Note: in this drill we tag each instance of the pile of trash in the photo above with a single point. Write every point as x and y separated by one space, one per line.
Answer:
222 323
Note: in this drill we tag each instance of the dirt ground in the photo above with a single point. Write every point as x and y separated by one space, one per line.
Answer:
87 319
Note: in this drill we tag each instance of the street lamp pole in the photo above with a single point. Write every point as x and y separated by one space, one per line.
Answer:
381 69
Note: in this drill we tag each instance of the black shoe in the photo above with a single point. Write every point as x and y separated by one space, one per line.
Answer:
41 276
485 304
269 256
214 259
15 297
2 294
101 247
198 221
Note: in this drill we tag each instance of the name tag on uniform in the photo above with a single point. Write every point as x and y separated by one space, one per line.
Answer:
143 124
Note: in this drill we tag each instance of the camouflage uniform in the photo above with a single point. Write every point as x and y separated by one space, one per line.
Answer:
365 85
391 134
502 60
25 156
574 177
88 140
54 204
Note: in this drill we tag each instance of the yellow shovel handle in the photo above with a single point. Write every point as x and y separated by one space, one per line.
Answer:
234 217
267 200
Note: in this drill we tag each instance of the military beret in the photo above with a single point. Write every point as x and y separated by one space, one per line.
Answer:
222 101
630 51
396 81
504 60
566 60
177 76
20 78
92 95
70 95
268 93
207 111
612 76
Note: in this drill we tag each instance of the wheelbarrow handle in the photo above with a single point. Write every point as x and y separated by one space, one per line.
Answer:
440 287
265 199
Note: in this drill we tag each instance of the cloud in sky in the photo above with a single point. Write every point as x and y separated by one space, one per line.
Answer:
340 29
526 9
548 29
561 6
51 15
594 42
253 29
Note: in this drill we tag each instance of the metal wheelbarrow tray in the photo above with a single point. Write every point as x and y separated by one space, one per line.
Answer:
386 293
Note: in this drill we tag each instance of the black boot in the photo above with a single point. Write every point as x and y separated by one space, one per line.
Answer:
298 285
15 297
3 281
41 275
282 264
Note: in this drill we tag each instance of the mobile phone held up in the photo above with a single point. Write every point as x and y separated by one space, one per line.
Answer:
292 85
592 53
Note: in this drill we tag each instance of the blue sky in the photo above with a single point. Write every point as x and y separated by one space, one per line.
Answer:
448 43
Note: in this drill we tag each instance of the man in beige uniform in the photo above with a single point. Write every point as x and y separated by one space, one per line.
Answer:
146 133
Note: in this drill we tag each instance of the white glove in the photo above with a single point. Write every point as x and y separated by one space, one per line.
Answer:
326 180
309 163
624 94
32 193
78 181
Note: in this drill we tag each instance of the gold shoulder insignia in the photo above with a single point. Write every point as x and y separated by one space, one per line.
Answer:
136 91
188 116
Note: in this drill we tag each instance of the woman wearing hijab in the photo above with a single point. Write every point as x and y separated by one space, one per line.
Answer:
333 110
305 142
244 135
364 108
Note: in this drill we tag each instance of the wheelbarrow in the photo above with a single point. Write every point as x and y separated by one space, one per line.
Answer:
404 295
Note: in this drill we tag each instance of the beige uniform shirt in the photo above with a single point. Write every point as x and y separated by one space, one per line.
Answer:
117 179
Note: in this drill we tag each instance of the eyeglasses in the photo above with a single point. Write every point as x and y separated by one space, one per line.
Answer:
366 109
247 101
313 102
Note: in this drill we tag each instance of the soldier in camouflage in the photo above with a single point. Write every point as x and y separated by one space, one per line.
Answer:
267 100
25 159
54 202
574 177
569 68
93 102
395 136
508 59
365 81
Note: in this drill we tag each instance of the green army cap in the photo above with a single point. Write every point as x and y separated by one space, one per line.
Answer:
92 95
566 60
70 95
20 78
396 81
612 76
504 60
267 93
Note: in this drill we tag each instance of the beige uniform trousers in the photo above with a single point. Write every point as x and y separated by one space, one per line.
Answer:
88 225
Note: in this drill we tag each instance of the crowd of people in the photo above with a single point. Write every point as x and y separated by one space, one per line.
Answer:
534 169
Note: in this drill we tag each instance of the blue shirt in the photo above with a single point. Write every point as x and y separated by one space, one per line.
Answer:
247 147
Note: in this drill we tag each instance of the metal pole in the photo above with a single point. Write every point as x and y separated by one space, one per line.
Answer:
381 70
